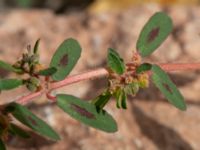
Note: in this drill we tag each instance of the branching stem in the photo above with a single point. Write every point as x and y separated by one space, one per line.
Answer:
99 73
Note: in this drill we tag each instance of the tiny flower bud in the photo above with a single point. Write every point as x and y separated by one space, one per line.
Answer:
35 81
31 87
143 80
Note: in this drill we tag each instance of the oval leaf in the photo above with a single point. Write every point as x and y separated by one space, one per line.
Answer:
154 33
47 72
86 113
167 87
120 96
26 117
9 67
8 84
115 62
2 145
143 67
65 58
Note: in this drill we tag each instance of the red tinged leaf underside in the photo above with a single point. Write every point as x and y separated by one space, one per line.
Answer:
33 122
153 34
64 60
82 111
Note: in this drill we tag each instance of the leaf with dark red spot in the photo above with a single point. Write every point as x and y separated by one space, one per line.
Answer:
65 58
167 87
26 117
82 111
86 112
33 122
154 33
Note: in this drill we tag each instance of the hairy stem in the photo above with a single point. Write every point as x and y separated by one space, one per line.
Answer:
100 73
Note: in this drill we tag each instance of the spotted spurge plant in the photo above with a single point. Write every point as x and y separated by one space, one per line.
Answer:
123 79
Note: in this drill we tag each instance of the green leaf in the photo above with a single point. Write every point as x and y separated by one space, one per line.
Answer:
9 67
123 100
120 96
87 113
47 72
26 117
143 67
115 62
18 131
154 33
2 145
65 58
8 84
167 87
102 100
36 46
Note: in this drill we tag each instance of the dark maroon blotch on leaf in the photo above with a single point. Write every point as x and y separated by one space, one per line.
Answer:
153 34
32 121
82 111
64 60
167 87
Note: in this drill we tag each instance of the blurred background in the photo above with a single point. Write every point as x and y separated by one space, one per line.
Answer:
150 122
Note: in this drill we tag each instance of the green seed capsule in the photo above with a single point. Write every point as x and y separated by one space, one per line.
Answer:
132 88
35 81
31 87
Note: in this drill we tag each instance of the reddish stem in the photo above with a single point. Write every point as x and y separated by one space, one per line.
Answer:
180 66
99 73
50 97
26 99
79 77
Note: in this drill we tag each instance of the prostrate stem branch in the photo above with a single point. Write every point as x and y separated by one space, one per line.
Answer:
180 67
80 77
100 73
28 98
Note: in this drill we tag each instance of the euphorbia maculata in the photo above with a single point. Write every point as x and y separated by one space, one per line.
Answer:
123 79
